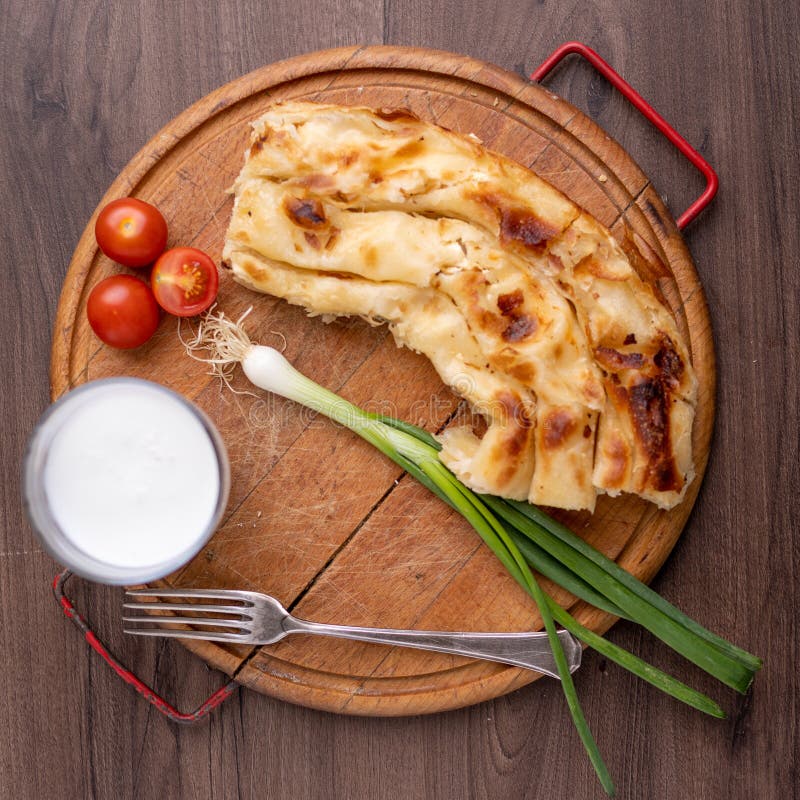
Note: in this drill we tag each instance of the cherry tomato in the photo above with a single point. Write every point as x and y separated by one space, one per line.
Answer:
131 231
185 281
122 311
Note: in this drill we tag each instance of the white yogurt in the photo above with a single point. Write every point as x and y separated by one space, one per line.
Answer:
131 477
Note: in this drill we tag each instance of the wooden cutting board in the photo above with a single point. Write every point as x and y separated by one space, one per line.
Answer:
316 516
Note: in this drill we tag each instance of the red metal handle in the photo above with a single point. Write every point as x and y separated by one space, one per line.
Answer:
712 184
619 83
167 709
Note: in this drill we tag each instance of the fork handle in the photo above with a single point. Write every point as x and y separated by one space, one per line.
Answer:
529 650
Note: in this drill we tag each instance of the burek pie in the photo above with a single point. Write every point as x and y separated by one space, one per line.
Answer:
525 305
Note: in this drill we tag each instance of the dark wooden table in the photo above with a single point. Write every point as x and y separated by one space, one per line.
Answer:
83 85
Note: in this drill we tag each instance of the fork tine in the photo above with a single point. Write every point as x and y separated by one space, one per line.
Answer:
170 634
208 594
221 623
242 611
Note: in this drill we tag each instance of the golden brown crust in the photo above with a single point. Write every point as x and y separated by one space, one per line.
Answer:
572 355
305 212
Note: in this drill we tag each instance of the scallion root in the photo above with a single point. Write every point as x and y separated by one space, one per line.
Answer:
225 340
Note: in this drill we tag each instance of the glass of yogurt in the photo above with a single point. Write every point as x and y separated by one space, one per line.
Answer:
125 480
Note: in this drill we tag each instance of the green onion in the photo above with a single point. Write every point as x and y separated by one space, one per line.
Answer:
538 558
637 587
684 641
518 534
495 536
728 663
553 569
661 680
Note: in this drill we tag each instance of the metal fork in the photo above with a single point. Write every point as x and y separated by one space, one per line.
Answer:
260 619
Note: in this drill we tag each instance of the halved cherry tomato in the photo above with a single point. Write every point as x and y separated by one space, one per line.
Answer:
122 311
185 281
131 231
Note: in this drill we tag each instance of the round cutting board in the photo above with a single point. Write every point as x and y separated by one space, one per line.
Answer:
317 517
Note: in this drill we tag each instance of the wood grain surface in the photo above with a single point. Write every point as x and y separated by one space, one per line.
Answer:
85 85
355 541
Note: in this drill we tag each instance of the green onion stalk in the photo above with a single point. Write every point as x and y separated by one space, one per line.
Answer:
521 536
